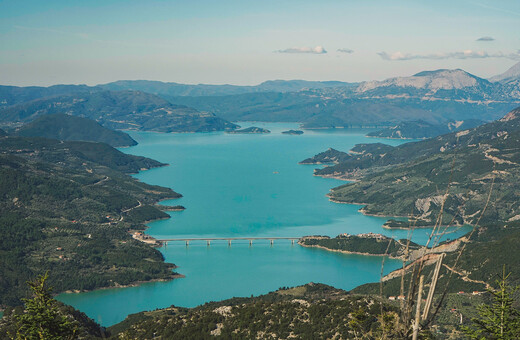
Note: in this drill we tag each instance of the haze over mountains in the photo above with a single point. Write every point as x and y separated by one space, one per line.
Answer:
434 97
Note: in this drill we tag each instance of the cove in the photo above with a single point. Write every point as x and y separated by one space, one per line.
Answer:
239 185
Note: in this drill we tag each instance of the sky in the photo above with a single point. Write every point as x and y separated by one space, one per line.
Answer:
246 42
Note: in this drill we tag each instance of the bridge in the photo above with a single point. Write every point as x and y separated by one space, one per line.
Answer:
229 239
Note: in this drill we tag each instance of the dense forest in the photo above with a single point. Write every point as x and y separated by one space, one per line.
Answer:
68 207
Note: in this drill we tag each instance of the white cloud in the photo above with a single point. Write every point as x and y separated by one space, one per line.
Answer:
486 38
468 54
345 50
311 50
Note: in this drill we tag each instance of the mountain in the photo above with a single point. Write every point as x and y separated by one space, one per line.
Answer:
66 127
11 95
430 83
421 129
512 74
432 96
412 178
176 89
68 207
119 110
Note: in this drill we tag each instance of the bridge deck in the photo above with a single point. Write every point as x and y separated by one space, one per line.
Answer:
227 238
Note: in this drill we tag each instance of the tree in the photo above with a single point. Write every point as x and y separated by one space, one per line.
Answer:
42 318
499 320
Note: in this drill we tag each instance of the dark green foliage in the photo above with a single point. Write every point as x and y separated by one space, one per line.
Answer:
66 207
500 319
42 312
67 127
42 318
312 311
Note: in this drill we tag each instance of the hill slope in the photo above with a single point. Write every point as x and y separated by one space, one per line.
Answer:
421 129
413 177
67 127
67 207
119 110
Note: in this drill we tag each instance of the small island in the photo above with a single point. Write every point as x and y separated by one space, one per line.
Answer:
293 132
171 208
252 129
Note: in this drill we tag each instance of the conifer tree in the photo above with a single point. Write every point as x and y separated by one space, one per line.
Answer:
500 319
42 318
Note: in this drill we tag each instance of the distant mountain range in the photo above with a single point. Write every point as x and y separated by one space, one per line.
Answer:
434 97
203 90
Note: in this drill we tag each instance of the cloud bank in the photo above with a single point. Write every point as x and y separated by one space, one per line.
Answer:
486 39
311 50
345 50
468 54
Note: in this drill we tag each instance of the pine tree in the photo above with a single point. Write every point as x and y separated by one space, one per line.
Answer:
42 318
500 320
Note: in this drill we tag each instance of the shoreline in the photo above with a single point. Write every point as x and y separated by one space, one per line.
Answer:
348 251
133 284
383 216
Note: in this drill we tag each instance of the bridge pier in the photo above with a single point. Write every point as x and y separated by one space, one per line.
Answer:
272 241
250 243
292 242
187 243
229 243
209 242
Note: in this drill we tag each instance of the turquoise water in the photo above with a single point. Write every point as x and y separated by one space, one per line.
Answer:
244 185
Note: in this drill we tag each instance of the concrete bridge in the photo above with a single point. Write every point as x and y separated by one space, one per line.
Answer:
229 239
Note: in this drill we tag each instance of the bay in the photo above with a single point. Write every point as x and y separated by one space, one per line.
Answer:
245 185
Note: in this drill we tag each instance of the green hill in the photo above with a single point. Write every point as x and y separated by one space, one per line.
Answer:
413 177
67 207
67 127
312 311
421 129
119 110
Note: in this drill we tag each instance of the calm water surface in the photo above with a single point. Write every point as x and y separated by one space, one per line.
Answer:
237 186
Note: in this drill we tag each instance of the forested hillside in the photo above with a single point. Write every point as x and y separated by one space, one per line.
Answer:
67 207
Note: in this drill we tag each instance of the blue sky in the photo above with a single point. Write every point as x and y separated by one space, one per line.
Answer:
247 42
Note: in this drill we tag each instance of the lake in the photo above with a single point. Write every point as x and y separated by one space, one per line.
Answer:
240 185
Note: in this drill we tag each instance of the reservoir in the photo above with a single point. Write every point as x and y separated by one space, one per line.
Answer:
245 185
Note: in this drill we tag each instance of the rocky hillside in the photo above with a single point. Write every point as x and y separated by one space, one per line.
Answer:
313 311
414 176
422 130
